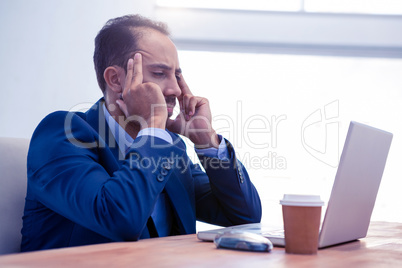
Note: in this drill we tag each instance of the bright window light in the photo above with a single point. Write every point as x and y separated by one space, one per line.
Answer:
387 7
283 5
355 6
262 103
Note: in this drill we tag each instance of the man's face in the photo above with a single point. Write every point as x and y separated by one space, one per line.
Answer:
160 65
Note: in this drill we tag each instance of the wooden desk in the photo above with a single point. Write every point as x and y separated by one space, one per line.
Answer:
381 248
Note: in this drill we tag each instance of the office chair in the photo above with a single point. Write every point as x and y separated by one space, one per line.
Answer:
13 187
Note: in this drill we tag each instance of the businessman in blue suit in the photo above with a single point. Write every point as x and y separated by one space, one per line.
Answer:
120 171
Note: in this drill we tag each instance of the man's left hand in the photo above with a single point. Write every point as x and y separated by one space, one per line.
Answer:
194 120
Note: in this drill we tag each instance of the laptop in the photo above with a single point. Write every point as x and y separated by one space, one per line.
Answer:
353 195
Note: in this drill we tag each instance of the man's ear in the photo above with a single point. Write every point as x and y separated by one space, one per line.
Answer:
112 78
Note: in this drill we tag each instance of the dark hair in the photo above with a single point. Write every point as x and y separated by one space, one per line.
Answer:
118 39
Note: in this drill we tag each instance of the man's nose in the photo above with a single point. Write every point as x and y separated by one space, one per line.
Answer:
172 88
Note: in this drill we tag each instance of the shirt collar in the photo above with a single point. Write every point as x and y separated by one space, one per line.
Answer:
123 139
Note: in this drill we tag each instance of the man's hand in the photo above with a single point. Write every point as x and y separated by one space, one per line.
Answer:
194 120
142 103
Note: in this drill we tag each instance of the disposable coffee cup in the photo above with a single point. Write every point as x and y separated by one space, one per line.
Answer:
301 219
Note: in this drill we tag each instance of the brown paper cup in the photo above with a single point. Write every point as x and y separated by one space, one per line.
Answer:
301 219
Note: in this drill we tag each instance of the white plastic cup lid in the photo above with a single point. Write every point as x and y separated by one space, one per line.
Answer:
301 200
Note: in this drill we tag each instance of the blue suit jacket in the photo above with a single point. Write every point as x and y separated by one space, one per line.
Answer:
81 190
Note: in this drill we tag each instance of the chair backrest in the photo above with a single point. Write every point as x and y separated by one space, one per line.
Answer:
13 187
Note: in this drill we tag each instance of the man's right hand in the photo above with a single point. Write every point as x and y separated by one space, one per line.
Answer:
142 103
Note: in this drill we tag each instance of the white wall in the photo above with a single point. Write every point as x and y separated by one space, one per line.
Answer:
46 53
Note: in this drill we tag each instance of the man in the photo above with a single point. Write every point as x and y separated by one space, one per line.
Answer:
115 173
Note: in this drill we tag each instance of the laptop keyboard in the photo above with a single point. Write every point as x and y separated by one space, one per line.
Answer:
274 233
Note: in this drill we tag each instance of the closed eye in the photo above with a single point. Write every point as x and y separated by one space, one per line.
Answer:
158 74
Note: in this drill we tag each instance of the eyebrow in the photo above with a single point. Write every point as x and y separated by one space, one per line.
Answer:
164 67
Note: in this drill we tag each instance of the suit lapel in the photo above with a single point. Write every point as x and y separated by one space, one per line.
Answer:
182 205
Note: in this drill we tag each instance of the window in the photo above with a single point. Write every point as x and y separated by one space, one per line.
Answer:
276 65
300 32
389 7
331 6
271 5
260 102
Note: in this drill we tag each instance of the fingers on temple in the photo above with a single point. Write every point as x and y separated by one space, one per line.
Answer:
189 104
134 75
129 76
137 66
185 91
183 86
